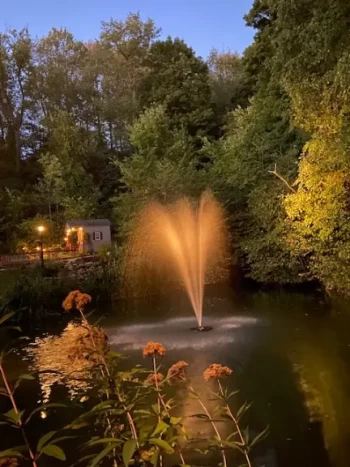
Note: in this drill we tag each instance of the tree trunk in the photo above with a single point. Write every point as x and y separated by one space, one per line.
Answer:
18 149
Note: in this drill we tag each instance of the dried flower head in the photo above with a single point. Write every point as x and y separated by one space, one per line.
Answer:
177 371
217 371
153 349
153 379
8 462
76 300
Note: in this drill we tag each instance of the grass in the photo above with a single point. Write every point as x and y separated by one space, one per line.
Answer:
7 277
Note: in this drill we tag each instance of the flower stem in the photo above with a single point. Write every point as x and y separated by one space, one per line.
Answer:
128 414
212 423
235 421
19 421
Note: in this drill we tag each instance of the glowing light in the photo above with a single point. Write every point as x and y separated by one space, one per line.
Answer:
41 228
38 248
65 239
186 239
68 231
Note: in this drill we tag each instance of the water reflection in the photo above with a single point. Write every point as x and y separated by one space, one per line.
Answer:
56 361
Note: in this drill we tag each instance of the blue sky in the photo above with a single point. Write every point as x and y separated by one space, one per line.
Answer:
203 24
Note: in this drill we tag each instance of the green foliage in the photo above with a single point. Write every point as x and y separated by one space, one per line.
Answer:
163 165
314 58
258 138
33 294
179 81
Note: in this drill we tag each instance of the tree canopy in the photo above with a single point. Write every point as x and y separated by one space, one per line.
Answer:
100 128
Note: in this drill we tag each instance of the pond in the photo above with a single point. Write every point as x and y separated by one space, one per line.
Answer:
290 356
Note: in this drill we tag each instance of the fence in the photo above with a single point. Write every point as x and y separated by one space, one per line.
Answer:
25 258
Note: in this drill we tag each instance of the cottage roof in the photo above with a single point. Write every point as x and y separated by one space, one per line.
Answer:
87 222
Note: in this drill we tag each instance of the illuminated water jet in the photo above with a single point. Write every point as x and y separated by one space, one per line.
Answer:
183 239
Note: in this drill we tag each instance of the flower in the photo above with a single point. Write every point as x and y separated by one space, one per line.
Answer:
154 379
153 349
76 300
216 371
177 371
8 462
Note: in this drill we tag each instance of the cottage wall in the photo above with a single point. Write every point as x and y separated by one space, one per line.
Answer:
93 243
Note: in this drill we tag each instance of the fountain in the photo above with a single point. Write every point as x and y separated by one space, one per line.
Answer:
186 239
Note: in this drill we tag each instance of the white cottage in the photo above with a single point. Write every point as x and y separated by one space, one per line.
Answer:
89 235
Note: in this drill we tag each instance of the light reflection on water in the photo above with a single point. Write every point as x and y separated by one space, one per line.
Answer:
176 333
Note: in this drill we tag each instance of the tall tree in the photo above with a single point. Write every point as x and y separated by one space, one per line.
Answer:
227 80
179 81
16 67
120 56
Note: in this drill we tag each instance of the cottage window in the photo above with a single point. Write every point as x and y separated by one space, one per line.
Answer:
97 235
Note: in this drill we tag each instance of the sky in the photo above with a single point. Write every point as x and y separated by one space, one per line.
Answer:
203 24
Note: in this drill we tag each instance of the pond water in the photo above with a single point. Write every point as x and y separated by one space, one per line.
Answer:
290 355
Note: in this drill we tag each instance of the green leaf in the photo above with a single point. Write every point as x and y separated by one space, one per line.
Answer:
103 441
128 451
102 454
162 444
155 408
145 431
6 317
13 416
261 436
160 428
45 438
143 412
53 450
243 409
233 393
175 420
76 426
13 452
155 457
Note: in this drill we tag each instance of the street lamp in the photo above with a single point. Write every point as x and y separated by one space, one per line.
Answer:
41 229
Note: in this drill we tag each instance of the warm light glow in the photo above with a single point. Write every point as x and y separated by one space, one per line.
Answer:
68 231
65 239
186 239
41 228
38 248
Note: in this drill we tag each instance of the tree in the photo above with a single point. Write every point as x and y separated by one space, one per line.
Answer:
227 80
313 55
120 56
179 81
163 167
16 68
257 138
65 172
